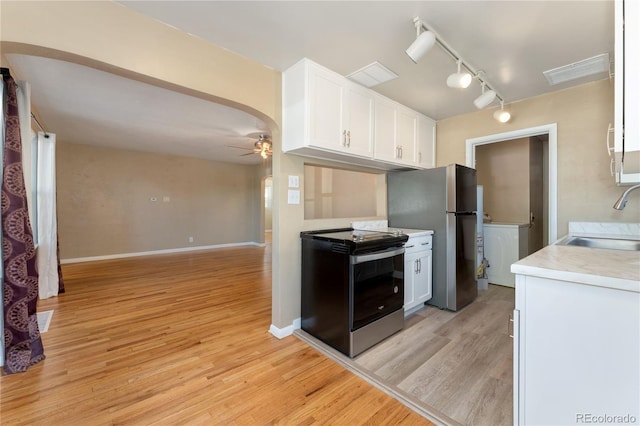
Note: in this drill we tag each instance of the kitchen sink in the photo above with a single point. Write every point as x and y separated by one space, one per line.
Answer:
602 243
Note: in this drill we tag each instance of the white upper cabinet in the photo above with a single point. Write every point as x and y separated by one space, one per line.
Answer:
395 132
326 111
626 129
406 134
328 116
426 146
385 130
403 136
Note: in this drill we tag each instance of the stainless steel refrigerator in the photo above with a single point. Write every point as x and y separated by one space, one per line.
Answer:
442 199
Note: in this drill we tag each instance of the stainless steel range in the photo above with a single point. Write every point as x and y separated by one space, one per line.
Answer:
352 287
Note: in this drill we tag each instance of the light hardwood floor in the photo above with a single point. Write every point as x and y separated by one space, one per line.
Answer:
182 339
455 366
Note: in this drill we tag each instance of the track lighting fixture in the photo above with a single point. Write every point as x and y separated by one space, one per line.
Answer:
459 80
501 115
426 38
423 42
485 98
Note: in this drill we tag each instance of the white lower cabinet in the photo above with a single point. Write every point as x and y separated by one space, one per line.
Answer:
417 272
576 353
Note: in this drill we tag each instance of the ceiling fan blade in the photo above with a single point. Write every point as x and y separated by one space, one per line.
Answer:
248 153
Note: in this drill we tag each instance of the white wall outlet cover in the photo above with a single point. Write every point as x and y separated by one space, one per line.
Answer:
293 196
294 181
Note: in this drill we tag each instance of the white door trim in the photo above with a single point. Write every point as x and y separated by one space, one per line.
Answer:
547 129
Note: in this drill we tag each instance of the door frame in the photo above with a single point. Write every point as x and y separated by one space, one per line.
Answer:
548 129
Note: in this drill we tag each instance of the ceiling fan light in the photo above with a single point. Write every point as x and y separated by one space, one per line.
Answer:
421 45
459 80
485 99
502 116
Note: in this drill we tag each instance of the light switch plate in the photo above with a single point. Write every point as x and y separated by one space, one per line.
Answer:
294 182
293 196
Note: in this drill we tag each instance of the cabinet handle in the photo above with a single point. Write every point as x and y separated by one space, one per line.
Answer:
612 166
415 266
397 152
349 138
406 247
419 266
424 244
510 326
610 130
400 151
344 138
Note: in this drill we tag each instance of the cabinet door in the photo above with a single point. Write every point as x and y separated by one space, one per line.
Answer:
325 109
627 106
358 119
570 360
422 284
426 145
384 146
406 134
631 161
410 274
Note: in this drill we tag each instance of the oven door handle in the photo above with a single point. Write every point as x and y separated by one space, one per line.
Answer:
375 256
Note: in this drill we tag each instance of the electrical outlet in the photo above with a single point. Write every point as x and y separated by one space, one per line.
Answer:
190 239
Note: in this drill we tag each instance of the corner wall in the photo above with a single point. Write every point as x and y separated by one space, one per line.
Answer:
586 190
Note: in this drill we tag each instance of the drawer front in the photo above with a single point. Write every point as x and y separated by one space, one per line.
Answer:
415 244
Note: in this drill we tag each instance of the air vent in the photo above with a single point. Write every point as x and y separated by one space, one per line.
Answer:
372 75
590 66
339 248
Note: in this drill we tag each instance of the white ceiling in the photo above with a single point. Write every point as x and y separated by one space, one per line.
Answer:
513 42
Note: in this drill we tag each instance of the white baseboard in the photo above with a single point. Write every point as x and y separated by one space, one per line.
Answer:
281 333
150 253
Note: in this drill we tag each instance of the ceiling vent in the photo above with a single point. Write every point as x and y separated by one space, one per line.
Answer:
372 75
590 66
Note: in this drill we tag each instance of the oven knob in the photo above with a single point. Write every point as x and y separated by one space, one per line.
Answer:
395 289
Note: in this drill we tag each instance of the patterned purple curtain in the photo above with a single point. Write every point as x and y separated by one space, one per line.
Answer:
22 342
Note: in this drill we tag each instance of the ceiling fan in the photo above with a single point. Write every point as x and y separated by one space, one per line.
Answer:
262 146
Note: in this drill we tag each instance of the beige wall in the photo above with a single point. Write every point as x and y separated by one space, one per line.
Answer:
586 191
105 207
503 171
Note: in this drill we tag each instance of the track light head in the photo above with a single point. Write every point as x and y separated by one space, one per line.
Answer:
421 45
459 80
485 99
501 115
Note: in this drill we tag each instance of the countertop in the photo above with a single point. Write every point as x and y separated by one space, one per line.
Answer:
617 269
382 226
410 232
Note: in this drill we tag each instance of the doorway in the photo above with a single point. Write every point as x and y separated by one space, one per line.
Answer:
548 132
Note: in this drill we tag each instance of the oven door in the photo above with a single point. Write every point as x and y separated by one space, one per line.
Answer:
377 285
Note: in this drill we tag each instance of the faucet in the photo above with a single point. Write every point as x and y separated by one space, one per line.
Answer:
622 201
